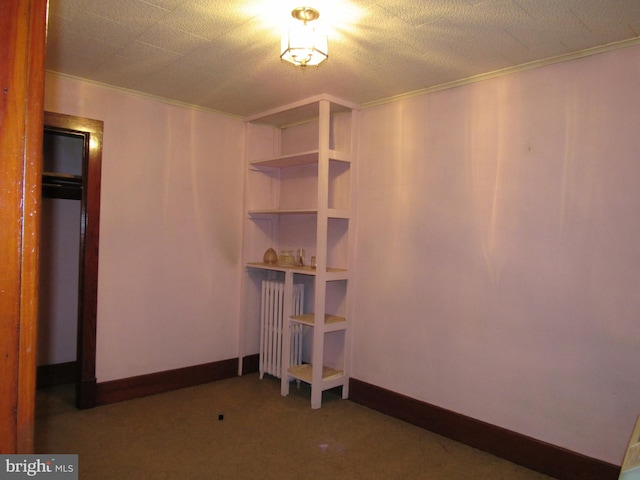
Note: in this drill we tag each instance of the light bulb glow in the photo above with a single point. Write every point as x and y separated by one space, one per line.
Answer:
303 45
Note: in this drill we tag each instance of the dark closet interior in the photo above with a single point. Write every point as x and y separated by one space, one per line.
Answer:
59 257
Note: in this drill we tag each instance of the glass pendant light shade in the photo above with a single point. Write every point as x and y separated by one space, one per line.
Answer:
303 45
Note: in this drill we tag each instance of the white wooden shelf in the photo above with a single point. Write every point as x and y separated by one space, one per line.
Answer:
331 212
332 274
304 373
631 464
332 323
299 159
277 211
300 111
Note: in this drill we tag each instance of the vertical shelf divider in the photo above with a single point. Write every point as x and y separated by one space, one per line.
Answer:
317 354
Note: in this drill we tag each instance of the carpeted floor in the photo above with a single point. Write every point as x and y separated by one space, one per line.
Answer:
242 428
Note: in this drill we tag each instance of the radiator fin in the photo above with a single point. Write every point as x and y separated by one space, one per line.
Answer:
271 327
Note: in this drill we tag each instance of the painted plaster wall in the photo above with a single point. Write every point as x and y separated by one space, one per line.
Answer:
58 293
498 251
170 230
59 257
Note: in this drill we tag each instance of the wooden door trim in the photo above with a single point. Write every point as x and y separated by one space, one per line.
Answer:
92 132
22 55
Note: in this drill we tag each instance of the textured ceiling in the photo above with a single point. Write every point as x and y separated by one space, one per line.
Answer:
224 54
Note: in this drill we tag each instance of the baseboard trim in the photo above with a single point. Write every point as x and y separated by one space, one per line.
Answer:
57 374
159 382
526 451
87 397
250 364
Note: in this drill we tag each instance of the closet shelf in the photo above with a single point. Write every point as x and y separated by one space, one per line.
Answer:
62 178
61 185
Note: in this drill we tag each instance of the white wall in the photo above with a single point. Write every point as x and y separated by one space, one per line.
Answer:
170 230
58 289
498 257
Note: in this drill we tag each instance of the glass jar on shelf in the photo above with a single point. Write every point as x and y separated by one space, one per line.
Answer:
286 258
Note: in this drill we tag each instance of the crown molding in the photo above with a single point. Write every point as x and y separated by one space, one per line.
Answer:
507 71
148 96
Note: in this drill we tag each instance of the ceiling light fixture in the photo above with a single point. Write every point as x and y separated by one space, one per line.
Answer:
302 45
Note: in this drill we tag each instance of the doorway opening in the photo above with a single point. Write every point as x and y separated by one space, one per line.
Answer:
69 253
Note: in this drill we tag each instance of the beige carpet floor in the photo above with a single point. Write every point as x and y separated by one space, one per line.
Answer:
242 428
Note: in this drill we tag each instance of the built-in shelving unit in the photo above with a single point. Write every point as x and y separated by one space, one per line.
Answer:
299 195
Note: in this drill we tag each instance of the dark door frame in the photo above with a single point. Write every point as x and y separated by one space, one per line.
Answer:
91 131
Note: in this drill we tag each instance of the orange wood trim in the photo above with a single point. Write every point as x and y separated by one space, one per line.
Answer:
22 54
81 125
32 192
92 172
11 130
